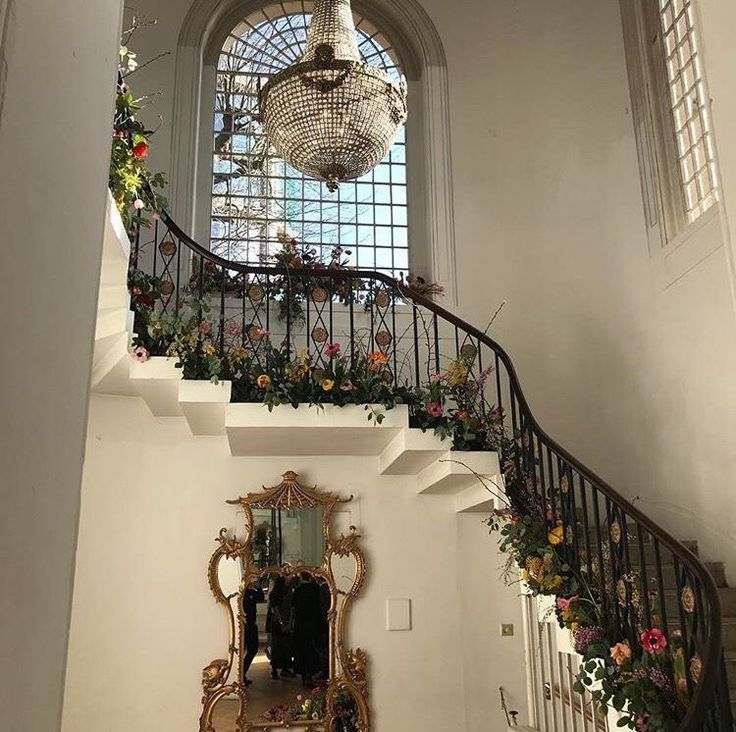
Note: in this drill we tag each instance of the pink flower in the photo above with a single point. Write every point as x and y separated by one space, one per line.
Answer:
347 386
436 378
204 327
434 409
653 641
563 603
621 653
262 332
140 354
332 349
642 723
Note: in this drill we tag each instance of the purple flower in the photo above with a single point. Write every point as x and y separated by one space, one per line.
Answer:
483 377
660 679
585 637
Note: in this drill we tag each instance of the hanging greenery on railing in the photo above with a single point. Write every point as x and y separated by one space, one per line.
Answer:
643 678
135 188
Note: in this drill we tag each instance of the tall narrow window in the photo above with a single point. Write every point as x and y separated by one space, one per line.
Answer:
672 113
258 200
690 107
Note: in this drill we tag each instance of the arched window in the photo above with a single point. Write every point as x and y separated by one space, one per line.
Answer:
258 200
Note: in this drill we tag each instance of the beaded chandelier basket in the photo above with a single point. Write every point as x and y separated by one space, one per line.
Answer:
330 115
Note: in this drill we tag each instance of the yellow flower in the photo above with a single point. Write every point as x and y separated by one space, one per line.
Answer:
533 566
457 373
556 536
327 385
554 583
303 354
208 348
238 354
525 575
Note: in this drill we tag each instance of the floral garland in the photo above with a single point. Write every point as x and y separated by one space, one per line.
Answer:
133 186
643 676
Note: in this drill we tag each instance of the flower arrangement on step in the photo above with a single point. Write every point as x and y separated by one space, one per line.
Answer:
642 675
450 403
133 186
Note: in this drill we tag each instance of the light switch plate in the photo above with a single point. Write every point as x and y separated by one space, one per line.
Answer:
398 614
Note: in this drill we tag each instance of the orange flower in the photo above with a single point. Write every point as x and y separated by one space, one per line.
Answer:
263 381
621 653
377 360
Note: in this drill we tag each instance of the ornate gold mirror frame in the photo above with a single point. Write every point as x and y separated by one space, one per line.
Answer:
347 667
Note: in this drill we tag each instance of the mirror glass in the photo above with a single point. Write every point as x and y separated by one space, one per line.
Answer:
288 536
345 571
224 714
229 575
346 712
286 637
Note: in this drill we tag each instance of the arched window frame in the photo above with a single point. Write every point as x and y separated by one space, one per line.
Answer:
420 52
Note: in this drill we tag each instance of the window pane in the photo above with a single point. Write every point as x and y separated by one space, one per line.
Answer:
256 197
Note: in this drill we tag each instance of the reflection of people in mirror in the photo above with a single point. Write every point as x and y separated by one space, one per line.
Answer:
262 544
251 597
307 610
279 625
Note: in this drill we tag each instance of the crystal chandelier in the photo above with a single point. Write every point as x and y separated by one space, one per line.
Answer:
330 115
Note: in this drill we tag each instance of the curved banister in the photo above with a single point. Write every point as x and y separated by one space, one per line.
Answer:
709 705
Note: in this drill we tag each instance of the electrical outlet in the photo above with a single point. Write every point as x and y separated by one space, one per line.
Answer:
507 629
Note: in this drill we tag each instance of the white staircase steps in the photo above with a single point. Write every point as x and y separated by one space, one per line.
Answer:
157 381
327 430
204 405
410 452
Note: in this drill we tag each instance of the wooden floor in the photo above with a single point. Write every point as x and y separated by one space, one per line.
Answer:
261 695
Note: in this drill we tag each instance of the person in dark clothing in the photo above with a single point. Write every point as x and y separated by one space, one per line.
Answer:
279 610
251 597
306 607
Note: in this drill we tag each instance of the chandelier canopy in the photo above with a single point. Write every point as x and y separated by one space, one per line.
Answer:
331 115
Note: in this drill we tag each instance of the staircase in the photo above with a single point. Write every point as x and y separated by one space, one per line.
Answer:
416 338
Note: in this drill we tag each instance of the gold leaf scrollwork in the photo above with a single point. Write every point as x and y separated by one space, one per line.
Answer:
214 675
356 667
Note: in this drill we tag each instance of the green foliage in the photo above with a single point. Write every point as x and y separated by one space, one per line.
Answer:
134 187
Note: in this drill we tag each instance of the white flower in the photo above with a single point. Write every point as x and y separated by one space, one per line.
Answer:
123 51
138 204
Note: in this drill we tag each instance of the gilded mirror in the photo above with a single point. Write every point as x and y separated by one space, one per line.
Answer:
286 588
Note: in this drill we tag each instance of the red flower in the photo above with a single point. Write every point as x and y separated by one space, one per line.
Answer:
140 150
653 641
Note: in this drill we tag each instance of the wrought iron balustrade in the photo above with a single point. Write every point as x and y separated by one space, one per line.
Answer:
645 577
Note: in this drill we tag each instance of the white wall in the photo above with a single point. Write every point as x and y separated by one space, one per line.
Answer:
57 74
625 363
145 621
